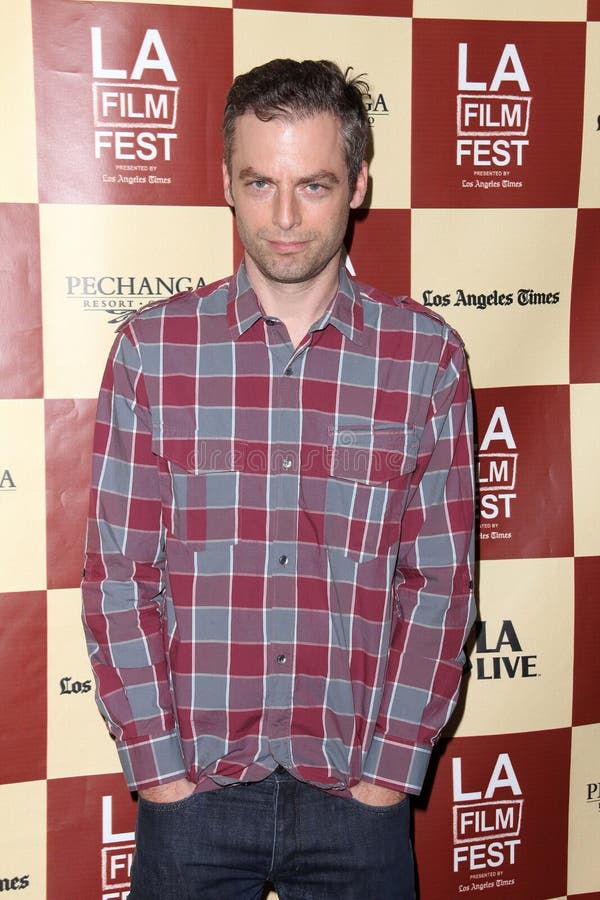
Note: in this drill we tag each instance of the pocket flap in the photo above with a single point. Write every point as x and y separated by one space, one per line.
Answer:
197 453
373 454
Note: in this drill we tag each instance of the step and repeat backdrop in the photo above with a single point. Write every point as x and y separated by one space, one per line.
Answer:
485 206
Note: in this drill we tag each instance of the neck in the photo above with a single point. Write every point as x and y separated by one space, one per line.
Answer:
298 305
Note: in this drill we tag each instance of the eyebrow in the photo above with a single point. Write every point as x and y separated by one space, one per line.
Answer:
321 175
250 172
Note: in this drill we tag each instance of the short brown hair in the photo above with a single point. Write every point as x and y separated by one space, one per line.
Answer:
286 88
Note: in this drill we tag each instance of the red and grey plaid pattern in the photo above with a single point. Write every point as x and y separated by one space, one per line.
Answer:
279 545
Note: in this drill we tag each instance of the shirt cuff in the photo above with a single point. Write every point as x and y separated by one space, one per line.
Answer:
395 765
150 761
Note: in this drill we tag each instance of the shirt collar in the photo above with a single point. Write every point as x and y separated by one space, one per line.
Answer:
242 306
345 312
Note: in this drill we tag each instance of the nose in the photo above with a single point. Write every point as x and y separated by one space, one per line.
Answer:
286 210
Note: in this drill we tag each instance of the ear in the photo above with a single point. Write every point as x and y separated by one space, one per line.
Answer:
227 185
360 189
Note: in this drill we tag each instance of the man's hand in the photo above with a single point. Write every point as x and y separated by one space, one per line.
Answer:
373 795
168 793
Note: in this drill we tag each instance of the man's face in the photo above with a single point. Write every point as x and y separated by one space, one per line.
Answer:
289 186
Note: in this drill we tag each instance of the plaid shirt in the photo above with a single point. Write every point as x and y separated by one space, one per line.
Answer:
280 542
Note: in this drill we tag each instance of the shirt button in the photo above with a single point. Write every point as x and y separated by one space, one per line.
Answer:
281 658
286 462
289 371
283 560
271 321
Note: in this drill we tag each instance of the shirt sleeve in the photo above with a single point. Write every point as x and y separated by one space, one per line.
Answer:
123 582
433 589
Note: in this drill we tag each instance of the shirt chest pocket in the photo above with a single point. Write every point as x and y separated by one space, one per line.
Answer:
367 489
200 477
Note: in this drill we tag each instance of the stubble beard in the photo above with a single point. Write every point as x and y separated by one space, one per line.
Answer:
290 270
293 268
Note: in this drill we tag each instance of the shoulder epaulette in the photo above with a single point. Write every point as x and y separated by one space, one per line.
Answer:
420 310
200 292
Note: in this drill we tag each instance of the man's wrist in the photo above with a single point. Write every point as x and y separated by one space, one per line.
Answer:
374 795
168 793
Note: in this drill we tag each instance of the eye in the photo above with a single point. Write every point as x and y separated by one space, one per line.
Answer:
259 184
315 188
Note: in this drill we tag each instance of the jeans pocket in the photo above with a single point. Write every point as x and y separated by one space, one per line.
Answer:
381 810
171 805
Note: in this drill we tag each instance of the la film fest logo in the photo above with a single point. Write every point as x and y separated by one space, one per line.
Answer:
498 457
491 125
116 856
486 828
135 119
119 295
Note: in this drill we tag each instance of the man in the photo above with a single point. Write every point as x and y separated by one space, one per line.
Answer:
278 575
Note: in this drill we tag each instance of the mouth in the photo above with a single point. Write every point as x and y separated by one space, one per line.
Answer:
288 246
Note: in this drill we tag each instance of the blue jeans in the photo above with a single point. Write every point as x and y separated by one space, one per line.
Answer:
225 844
